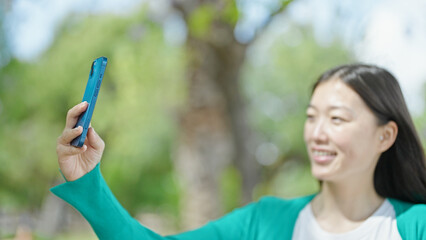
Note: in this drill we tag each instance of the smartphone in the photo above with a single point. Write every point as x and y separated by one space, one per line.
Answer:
90 96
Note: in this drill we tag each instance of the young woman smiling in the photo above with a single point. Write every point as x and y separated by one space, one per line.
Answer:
363 149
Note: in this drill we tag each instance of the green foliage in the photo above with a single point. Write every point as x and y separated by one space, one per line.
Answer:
4 51
285 3
231 13
230 185
420 121
200 20
294 178
142 87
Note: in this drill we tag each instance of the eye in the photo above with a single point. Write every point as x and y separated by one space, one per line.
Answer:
310 116
337 120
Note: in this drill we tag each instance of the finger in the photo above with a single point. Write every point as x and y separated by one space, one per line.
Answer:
64 150
74 113
69 134
94 139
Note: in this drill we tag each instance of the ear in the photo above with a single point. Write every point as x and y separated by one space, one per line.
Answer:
388 137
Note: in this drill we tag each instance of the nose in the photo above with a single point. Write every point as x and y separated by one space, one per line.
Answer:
319 134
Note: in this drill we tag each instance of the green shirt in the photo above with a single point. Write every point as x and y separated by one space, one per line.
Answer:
269 218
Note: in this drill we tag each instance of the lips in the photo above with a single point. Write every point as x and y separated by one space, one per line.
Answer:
323 156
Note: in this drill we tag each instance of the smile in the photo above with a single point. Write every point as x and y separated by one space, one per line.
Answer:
324 153
323 156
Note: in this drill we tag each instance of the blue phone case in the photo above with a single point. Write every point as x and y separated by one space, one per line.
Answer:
90 96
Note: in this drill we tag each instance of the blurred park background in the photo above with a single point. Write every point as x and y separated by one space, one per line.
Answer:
202 105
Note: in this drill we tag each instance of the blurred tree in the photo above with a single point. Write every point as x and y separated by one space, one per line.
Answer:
420 120
214 131
134 114
4 50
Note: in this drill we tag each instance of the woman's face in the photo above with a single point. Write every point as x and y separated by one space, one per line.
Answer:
341 133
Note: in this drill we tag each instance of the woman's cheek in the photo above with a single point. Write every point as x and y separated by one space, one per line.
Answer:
355 143
307 131
343 139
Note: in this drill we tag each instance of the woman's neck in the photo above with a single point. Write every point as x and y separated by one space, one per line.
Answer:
341 207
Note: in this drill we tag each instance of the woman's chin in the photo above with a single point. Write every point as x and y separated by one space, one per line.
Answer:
322 175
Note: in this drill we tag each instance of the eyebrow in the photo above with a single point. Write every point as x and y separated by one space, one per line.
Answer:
334 107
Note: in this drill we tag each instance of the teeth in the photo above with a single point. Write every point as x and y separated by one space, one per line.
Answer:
323 153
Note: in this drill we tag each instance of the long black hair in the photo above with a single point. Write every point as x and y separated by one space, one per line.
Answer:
401 170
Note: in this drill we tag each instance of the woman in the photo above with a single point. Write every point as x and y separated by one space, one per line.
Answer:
363 149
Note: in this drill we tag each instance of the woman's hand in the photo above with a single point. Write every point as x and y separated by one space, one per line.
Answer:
76 162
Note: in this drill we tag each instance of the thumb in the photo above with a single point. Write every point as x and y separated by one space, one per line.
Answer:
95 140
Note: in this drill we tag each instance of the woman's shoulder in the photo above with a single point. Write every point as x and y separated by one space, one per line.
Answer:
410 218
408 209
275 216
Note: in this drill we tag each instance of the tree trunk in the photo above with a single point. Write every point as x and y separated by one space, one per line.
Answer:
213 129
